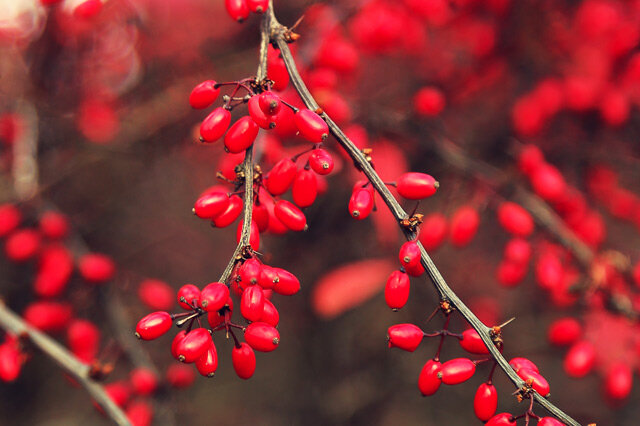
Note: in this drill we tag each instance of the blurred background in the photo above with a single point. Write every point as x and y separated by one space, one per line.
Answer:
95 121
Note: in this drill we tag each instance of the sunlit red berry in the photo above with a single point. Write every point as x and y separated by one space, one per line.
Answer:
237 9
472 343
416 186
277 71
485 401
210 205
580 359
270 314
194 344
215 124
464 225
290 215
156 294
176 340
281 176
405 336
564 331
252 303
410 254
180 376
204 94
269 103
262 336
361 203
457 370
515 219
153 325
260 216
519 363
285 283
230 214
305 188
213 297
96 268
433 231
244 361
268 277
538 382
311 126
188 295
241 135
396 291
502 419
321 161
549 421
263 120
429 381
207 364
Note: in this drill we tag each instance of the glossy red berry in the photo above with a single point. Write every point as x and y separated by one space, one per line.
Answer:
281 176
119 392
55 268
290 215
207 364
457 370
519 363
215 124
11 360
270 314
241 135
48 316
311 126
230 214
237 9
277 71
538 383
249 272
530 159
580 359
22 245
433 231
618 381
258 6
96 268
156 294
416 186
176 340
549 421
214 296
10 218
83 338
268 277
361 203
140 413
515 219
204 94
502 419
153 325
464 225
548 182
405 336
180 376
262 337
485 401
143 381
54 225
263 120
564 331
244 361
321 161
396 291
410 254
261 216
285 283
305 188
194 344
188 295
269 103
472 343
517 251
252 303
429 381
211 205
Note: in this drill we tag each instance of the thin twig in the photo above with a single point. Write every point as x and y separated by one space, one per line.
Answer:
278 32
14 324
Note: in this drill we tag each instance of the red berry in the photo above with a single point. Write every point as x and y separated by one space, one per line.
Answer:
10 218
260 216
580 359
305 188
485 402
180 376
269 103
285 283
215 318
204 94
268 277
433 231
281 176
415 270
549 421
143 381
262 336
140 413
405 336
210 205
618 381
548 183
291 216
83 338
530 159
464 225
119 393
194 344
215 124
214 296
22 245
249 272
502 419
188 295
252 303
207 364
11 361
538 382
311 126
510 274
361 203
156 294
321 161
472 343
457 370
230 214
410 255
48 316
515 219
416 186
241 135
237 9
519 363
277 71
258 6
244 361
255 111
153 325
517 251
429 381
96 268
429 101
176 340
549 271
54 271
564 331
270 314
396 291
54 225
